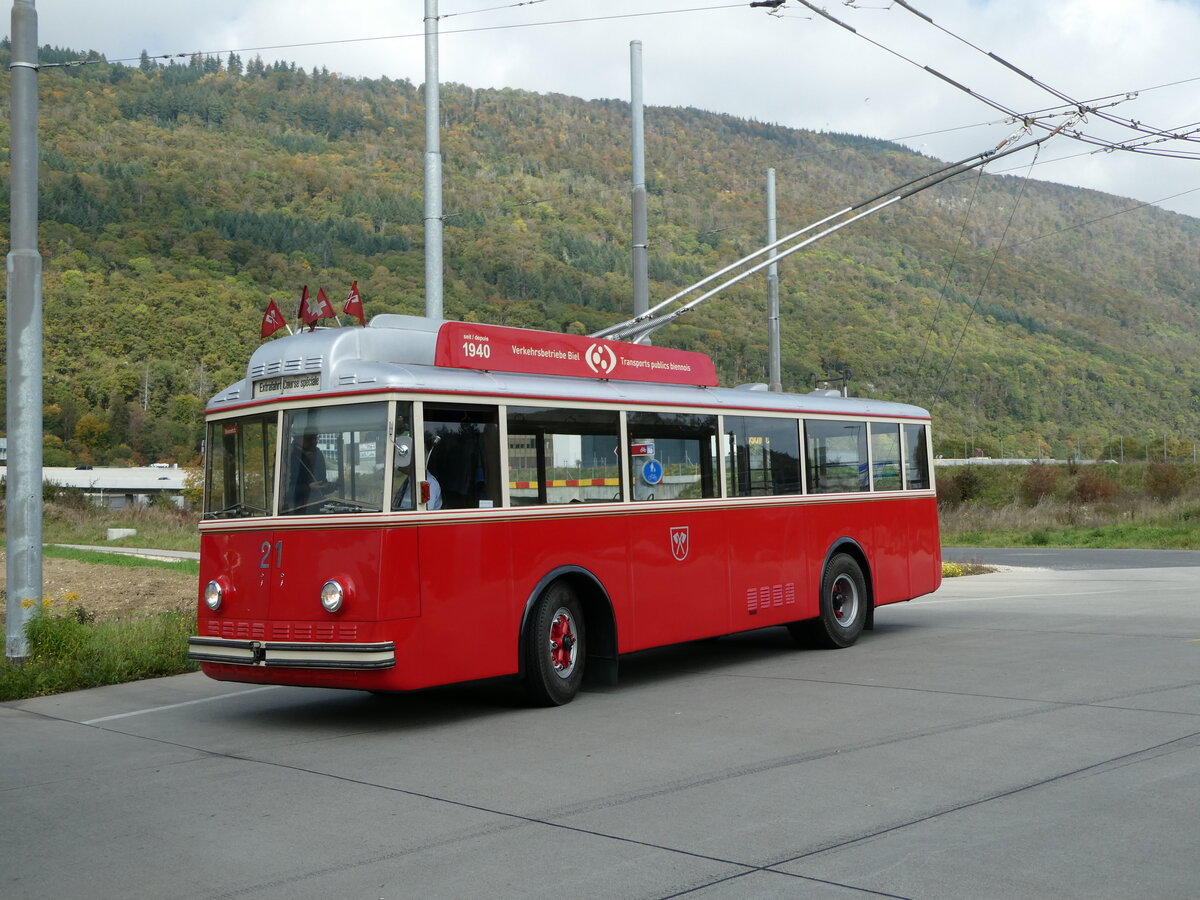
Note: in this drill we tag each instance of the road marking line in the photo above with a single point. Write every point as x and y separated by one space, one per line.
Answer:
142 712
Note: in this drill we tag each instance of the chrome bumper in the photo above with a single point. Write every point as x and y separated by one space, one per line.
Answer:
291 654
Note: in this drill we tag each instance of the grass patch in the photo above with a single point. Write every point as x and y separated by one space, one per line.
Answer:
69 652
1128 520
163 529
99 557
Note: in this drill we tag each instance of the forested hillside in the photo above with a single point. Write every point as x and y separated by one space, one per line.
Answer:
177 199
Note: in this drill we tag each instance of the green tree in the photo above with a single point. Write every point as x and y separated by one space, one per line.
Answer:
91 431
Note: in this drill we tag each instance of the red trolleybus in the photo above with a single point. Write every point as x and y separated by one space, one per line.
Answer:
417 503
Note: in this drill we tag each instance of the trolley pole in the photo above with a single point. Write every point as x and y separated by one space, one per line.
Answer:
641 277
433 167
23 515
773 364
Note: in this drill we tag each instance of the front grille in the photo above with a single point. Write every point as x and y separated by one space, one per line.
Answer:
281 631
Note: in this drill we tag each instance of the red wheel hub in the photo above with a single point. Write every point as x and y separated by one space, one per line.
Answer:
562 643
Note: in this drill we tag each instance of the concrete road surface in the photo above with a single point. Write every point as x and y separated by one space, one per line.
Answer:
1031 733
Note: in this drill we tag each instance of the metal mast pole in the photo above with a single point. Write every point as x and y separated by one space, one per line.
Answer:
433 168
641 277
23 516
773 366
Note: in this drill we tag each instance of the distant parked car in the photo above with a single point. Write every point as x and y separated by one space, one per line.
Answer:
80 468
160 465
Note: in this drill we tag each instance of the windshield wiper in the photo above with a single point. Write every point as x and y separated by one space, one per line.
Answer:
342 505
237 511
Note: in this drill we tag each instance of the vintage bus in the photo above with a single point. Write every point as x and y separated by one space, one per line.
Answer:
417 503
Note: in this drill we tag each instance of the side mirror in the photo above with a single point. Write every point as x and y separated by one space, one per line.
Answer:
404 452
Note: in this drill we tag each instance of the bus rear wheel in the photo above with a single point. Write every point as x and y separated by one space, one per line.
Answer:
555 647
844 607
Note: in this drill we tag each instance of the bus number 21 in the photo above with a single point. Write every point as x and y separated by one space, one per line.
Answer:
264 561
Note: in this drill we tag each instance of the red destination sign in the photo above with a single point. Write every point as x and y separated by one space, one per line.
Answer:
463 345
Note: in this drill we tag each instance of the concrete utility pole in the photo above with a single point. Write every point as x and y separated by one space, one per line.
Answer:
433 167
641 275
773 366
23 516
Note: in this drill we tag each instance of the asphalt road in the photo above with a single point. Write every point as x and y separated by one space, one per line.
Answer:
1030 733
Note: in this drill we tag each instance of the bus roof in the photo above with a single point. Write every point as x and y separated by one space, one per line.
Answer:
403 353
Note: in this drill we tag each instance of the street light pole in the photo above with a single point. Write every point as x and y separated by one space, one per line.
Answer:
433 167
23 513
773 362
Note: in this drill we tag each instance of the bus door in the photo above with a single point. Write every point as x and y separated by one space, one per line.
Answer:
768 565
677 550
467 617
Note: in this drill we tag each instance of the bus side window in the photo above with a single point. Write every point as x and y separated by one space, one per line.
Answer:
563 455
462 445
762 457
885 457
837 456
916 458
672 456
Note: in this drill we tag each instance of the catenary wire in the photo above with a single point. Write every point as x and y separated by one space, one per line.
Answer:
994 104
945 289
394 37
471 12
1116 120
946 372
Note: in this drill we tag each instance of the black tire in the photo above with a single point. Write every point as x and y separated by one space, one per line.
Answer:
555 647
844 607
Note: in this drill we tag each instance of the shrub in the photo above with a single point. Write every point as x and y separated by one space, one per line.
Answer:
1039 481
969 483
68 651
1094 487
1164 480
54 637
949 494
961 487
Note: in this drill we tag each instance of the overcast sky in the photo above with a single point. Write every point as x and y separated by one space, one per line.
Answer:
793 68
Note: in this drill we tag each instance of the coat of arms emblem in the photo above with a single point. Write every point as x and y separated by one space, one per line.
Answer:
679 543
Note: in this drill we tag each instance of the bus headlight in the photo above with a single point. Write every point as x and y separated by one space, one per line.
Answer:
213 594
332 595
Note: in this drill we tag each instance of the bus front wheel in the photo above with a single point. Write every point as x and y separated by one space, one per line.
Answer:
844 606
555 647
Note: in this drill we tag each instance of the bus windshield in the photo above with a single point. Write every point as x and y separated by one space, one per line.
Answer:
240 476
333 459
333 462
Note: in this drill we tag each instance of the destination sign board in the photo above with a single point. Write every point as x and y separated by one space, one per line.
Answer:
465 345
287 384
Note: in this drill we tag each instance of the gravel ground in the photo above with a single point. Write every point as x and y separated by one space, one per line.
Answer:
111 592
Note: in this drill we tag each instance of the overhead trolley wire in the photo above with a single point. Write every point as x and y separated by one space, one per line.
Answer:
396 37
1083 106
958 244
471 12
1072 108
983 283
643 325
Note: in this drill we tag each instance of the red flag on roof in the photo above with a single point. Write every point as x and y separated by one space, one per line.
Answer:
324 307
314 308
303 313
272 319
354 304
